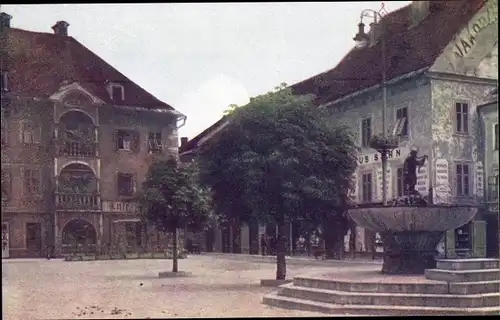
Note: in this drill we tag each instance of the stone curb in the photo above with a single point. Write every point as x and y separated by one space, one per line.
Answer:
170 274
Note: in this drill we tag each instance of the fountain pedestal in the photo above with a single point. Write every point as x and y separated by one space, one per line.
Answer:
411 234
410 252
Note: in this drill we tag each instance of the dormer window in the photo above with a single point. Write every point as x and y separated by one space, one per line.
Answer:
116 93
4 85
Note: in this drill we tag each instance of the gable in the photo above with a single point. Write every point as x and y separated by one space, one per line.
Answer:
75 94
474 50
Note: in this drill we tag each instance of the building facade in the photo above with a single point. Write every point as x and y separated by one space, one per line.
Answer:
77 140
441 59
435 84
488 114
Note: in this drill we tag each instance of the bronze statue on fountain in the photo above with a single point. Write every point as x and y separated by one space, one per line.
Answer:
411 226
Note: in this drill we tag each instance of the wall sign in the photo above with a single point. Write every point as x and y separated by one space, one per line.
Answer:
423 179
375 157
442 189
380 183
479 179
119 206
465 43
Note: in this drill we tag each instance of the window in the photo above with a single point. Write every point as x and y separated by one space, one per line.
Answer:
117 93
366 131
125 184
155 141
5 132
495 137
400 183
462 117
127 140
366 187
463 180
401 127
29 133
493 188
32 182
6 184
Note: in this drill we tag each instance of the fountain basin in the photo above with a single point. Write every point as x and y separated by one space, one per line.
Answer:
411 234
401 219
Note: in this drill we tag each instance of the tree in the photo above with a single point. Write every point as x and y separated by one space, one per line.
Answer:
279 160
172 199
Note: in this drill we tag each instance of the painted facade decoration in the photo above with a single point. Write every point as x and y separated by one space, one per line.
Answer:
474 52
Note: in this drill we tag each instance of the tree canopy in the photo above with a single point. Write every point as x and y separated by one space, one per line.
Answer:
279 159
279 155
172 197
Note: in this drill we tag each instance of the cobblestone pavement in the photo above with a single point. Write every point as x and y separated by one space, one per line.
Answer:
120 289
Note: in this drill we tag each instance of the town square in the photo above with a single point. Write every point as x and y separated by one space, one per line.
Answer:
164 160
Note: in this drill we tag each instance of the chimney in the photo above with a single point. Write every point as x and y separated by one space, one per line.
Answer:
184 140
61 28
375 32
5 20
419 10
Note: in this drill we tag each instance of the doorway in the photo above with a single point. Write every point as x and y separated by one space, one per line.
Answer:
34 239
5 240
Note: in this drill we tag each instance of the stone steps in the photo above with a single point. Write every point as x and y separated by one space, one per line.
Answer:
467 264
457 287
279 301
388 299
410 288
463 275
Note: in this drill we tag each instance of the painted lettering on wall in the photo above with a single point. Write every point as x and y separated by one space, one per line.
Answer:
380 183
464 44
376 157
442 189
423 180
479 179
119 206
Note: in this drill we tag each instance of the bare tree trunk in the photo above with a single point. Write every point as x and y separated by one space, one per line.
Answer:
175 267
280 254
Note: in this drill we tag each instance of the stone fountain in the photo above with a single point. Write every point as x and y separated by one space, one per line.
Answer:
411 226
412 282
411 233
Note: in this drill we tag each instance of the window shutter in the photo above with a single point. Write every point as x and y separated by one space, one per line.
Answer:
134 183
479 239
115 138
21 131
37 134
135 143
450 244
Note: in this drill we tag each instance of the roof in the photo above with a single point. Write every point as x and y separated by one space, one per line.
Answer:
194 143
407 50
37 64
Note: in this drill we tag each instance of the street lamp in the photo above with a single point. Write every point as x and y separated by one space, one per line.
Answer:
363 40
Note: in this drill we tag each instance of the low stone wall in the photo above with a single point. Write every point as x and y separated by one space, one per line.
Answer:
167 254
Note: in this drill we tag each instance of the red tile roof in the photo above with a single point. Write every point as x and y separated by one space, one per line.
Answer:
407 50
38 63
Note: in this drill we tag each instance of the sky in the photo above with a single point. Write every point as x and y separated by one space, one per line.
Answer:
202 57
